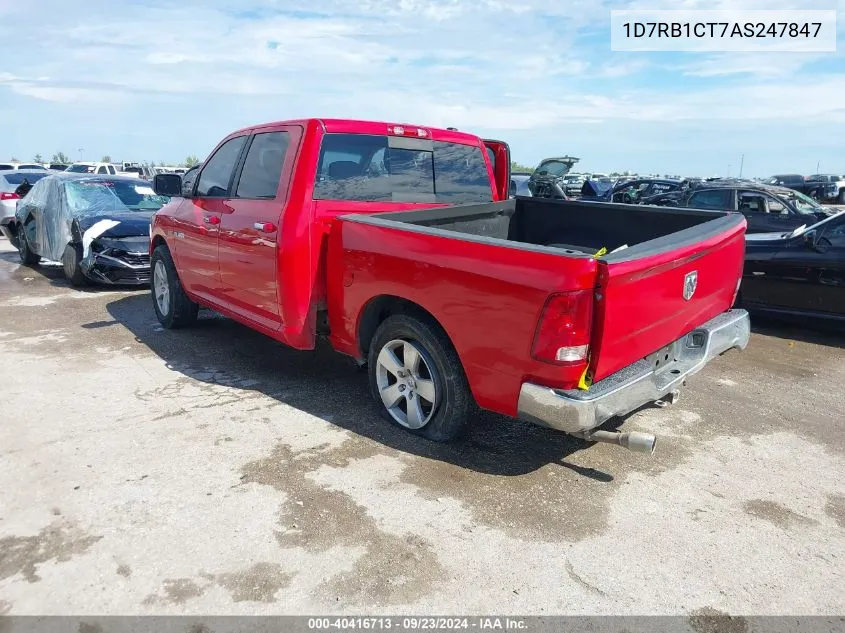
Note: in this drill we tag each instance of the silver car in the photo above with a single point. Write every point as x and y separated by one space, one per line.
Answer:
10 182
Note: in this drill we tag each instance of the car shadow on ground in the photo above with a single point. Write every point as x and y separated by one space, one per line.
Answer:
327 385
807 330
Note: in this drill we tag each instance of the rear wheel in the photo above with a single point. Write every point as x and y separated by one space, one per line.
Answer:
173 307
71 260
417 379
28 258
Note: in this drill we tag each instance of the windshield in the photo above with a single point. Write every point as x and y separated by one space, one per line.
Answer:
112 195
81 169
803 203
553 167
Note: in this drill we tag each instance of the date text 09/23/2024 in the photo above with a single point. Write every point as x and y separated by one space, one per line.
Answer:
418 623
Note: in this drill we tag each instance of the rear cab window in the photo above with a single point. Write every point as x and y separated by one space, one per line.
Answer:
376 168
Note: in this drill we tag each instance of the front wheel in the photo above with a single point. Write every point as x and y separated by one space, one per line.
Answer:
173 307
71 264
417 379
28 258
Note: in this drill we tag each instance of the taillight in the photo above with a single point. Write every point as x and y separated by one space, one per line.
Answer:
5 195
563 334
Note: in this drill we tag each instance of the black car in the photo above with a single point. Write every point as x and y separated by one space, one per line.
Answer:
97 226
768 209
800 272
638 191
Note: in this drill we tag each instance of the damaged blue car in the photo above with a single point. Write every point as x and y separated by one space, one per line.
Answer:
98 227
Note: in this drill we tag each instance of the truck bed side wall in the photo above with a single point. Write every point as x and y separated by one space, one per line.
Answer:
487 298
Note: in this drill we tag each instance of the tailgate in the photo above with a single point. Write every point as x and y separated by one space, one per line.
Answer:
654 293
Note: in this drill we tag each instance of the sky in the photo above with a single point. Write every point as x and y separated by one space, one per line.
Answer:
158 80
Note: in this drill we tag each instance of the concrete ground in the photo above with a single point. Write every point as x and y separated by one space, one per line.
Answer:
212 470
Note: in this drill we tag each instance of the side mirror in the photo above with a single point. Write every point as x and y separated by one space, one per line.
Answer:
168 185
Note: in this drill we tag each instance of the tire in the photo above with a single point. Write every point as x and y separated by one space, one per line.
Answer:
71 259
28 258
172 306
437 411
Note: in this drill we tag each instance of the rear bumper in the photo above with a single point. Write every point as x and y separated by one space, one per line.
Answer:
645 381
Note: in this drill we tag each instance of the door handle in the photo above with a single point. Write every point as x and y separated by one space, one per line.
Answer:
264 227
211 219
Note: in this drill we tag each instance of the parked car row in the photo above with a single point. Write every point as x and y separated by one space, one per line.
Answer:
97 226
795 256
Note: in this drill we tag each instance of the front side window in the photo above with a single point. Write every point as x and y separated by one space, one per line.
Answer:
751 202
777 207
217 172
263 165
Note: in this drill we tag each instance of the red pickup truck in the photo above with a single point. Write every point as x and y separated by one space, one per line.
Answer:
400 244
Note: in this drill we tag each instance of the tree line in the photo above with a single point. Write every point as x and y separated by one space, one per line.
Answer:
64 159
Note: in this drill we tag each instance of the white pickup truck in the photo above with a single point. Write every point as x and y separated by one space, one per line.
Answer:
839 181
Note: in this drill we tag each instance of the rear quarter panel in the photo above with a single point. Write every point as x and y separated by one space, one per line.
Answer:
488 298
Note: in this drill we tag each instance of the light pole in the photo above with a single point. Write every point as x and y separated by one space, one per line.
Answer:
741 163
81 153
818 163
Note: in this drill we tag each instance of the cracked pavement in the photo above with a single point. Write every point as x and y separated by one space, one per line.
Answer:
212 470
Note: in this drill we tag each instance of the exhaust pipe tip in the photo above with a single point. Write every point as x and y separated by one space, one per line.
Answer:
633 441
639 442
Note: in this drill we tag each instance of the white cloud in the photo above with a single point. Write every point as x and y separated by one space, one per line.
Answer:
531 67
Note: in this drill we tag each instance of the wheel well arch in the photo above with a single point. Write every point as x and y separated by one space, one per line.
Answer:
157 241
380 308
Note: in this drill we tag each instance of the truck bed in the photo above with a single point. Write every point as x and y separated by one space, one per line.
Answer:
485 272
579 229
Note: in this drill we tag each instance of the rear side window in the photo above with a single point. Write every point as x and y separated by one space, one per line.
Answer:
713 199
215 176
360 167
263 165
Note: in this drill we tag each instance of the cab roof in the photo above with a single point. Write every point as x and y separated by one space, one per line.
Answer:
357 126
